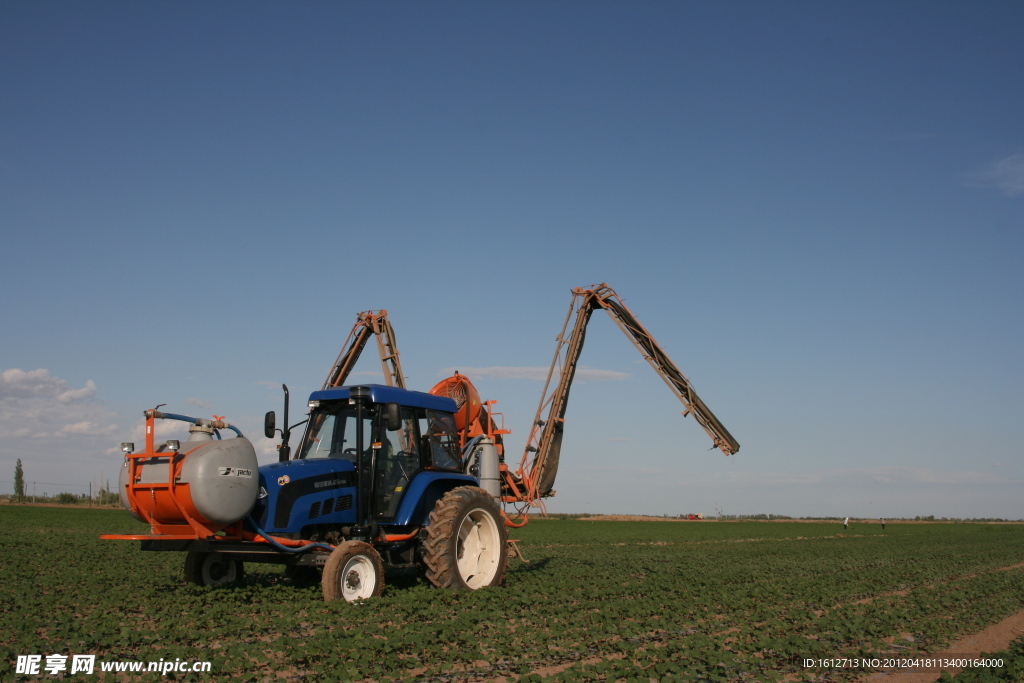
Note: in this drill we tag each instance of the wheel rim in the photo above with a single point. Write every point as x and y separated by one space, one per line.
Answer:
478 549
358 579
218 570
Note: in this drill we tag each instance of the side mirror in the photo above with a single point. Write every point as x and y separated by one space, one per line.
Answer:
393 415
269 424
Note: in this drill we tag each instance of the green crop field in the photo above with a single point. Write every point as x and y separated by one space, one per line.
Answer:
597 601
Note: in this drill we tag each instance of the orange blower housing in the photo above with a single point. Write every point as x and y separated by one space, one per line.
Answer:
472 418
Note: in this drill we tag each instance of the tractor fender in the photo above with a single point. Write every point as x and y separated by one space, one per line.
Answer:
426 489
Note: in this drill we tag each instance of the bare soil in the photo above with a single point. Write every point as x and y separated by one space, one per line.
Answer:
993 639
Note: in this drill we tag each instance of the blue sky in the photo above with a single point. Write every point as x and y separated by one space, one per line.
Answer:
816 208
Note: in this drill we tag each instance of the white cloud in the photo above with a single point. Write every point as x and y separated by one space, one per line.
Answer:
265 446
1006 175
162 430
205 405
584 374
16 383
86 427
61 434
35 405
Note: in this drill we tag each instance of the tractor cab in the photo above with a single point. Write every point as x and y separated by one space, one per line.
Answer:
371 457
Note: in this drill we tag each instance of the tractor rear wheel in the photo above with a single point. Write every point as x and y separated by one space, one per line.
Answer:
354 571
466 541
212 569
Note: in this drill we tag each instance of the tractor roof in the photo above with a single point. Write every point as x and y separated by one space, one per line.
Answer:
379 393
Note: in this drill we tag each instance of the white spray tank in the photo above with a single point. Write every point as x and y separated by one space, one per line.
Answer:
218 481
483 464
156 471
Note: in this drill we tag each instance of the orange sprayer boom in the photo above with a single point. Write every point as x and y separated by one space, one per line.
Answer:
539 465
534 478
367 323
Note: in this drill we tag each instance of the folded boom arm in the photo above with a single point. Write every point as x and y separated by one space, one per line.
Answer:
536 474
368 323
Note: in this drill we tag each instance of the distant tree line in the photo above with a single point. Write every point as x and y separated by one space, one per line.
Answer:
103 497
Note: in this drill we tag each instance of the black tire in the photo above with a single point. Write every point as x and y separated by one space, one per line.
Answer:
354 571
466 541
213 569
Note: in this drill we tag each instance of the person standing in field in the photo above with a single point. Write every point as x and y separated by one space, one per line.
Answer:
846 523
883 523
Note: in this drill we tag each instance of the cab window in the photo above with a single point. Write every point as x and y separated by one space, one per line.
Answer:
440 441
332 434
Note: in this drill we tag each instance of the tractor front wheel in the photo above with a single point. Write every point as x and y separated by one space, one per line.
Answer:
212 569
354 571
466 539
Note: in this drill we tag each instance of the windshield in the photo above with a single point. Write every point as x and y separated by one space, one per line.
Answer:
332 434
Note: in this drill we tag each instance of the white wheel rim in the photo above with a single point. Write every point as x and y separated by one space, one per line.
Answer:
478 549
358 579
218 569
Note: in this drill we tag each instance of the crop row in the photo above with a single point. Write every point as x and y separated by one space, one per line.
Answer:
597 601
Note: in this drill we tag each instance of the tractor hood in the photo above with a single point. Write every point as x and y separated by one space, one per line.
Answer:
299 493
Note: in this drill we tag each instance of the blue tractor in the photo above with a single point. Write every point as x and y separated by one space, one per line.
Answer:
379 481
382 478
379 475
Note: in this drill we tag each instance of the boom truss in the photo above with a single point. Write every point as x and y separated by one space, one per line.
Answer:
368 323
536 473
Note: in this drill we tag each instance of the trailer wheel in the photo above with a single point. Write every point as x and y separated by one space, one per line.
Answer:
212 569
354 571
466 541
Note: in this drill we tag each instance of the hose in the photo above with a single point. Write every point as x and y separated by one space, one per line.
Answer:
174 416
270 539
467 450
198 421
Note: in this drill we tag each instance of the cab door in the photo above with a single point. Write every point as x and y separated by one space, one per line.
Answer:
398 460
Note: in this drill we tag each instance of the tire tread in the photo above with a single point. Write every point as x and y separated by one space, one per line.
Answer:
438 555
